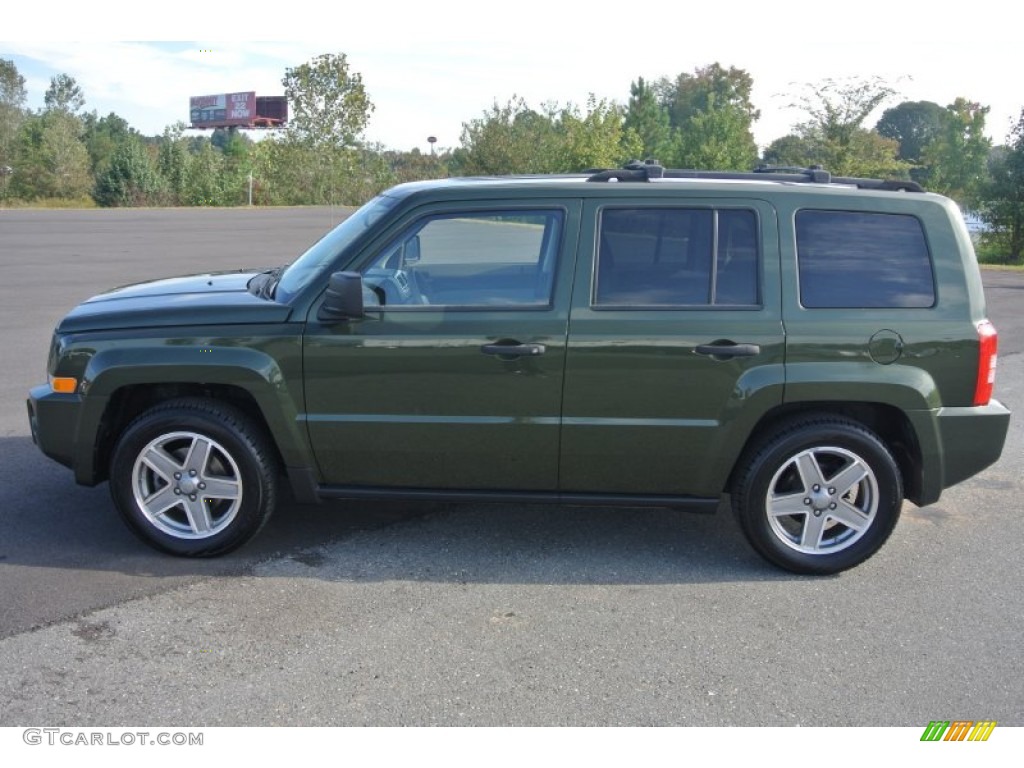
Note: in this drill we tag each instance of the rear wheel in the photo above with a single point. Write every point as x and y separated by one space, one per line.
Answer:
193 477
819 495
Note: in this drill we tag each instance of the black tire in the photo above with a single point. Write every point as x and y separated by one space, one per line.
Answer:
795 501
211 467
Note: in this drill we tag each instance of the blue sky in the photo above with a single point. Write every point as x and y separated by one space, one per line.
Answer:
430 67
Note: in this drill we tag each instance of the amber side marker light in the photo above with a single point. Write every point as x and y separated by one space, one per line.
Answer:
65 384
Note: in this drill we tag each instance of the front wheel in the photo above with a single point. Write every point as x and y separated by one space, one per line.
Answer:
193 477
819 495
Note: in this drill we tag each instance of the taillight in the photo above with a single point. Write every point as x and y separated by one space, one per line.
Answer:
988 340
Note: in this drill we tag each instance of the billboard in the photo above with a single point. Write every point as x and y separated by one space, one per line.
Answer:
271 111
223 109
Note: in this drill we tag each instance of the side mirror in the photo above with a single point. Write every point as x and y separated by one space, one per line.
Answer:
344 299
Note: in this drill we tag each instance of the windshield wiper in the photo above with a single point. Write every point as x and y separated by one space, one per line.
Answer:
275 278
263 284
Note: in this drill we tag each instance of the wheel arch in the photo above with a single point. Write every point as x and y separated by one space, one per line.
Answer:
129 402
121 382
891 425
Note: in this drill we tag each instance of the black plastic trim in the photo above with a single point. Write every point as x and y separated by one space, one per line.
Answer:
647 171
690 503
303 484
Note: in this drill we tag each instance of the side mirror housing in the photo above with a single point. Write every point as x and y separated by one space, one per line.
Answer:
344 299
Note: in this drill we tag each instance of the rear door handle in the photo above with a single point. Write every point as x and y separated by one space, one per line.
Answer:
512 349
727 349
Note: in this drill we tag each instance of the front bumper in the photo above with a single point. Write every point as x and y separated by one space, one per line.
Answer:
53 418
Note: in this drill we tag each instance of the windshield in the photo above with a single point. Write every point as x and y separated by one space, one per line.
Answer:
324 251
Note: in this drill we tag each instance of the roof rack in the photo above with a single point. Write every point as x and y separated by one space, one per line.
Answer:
650 169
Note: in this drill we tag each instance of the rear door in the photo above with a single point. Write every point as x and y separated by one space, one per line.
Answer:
676 344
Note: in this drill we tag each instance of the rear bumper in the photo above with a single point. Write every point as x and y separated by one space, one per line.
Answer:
972 439
958 443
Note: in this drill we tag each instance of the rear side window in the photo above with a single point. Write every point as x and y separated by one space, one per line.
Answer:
676 257
850 259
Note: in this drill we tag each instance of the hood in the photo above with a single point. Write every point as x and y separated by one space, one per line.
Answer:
216 298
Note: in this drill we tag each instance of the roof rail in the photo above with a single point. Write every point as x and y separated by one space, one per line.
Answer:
650 169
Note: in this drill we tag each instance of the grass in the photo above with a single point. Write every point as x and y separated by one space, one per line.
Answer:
49 202
1003 267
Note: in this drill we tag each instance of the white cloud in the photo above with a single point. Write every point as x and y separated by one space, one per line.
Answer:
429 67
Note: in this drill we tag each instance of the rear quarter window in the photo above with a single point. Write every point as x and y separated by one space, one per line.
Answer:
854 259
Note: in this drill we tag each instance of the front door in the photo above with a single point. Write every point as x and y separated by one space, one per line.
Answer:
455 380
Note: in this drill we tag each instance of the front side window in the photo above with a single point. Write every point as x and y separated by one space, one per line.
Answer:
852 259
677 257
470 260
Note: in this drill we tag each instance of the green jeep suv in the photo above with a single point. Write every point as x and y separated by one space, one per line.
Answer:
816 348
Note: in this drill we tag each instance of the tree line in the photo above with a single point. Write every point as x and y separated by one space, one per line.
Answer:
701 119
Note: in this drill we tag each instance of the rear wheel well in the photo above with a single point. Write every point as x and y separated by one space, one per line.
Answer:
886 421
128 403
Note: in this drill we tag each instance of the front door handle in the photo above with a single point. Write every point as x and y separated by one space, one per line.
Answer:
725 349
513 349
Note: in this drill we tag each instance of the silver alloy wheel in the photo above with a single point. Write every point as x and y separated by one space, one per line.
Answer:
187 485
822 500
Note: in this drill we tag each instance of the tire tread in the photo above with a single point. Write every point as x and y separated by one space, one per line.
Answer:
243 429
749 511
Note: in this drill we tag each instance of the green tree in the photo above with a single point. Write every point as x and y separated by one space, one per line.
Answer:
717 138
834 136
690 94
416 165
172 161
514 138
64 95
508 139
322 146
130 178
12 114
711 117
837 108
102 137
232 142
329 104
914 124
865 154
957 157
868 155
592 139
51 161
234 146
274 169
1003 194
289 173
649 120
204 182
791 150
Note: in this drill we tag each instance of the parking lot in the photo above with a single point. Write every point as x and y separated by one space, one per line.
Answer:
363 613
